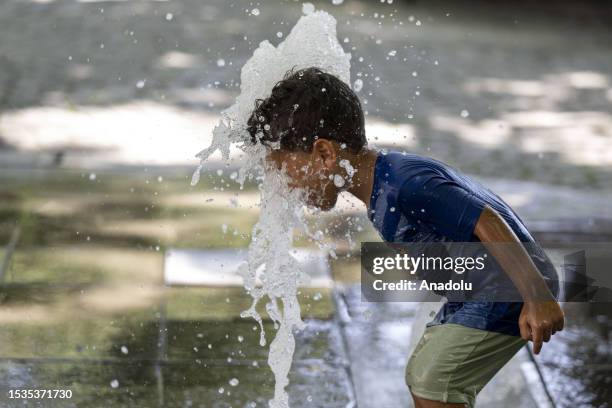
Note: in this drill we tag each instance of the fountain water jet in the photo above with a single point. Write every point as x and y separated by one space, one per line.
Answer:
312 42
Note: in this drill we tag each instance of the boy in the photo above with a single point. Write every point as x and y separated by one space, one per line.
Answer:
316 125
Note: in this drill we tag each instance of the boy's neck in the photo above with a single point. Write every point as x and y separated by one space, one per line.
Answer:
363 180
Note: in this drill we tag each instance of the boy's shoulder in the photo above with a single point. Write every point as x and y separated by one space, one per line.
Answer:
398 168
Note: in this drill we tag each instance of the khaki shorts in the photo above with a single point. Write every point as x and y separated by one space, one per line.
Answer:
452 363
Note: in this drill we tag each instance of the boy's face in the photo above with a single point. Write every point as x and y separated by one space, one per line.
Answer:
311 173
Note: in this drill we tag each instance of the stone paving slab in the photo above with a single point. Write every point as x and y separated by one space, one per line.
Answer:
237 342
91 384
225 304
313 383
132 335
220 267
378 354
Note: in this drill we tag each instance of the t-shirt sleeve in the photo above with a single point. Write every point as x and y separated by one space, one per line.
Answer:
445 205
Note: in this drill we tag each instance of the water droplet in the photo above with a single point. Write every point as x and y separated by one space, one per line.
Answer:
308 8
234 382
465 113
124 350
339 181
114 383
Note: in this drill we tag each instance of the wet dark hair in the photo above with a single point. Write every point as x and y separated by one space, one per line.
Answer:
305 105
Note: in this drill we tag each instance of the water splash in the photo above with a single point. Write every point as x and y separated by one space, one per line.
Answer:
271 270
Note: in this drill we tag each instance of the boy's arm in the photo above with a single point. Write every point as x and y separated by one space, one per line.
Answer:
541 315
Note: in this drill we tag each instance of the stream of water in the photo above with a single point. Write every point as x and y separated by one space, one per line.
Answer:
271 271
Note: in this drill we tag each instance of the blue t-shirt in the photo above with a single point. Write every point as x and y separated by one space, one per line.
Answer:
419 199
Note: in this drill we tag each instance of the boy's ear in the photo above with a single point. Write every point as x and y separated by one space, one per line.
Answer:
324 149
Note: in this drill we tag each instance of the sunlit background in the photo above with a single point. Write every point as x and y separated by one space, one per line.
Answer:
107 254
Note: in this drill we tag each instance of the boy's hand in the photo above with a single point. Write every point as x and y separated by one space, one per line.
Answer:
539 321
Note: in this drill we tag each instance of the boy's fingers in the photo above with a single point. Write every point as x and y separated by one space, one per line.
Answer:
537 339
557 325
560 324
547 333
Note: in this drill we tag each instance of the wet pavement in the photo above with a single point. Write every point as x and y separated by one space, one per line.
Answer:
85 300
578 367
86 306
